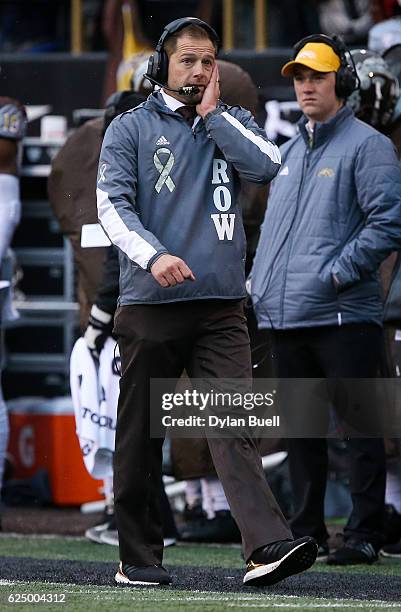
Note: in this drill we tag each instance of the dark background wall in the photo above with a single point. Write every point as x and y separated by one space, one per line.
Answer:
67 82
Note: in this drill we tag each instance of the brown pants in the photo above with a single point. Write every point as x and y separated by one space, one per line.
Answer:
210 340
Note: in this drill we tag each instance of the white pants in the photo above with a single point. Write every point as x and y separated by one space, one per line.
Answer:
10 214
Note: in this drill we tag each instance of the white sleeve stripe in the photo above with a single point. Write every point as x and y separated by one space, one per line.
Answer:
268 148
129 241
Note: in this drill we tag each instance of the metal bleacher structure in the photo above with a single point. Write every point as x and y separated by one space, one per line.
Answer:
40 343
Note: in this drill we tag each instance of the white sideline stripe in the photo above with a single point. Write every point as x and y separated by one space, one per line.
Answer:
242 601
41 536
359 605
129 241
267 148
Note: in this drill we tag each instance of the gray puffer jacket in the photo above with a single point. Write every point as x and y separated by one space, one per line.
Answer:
334 209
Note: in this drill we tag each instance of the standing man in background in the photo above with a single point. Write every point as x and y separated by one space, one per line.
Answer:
71 196
334 214
71 189
167 188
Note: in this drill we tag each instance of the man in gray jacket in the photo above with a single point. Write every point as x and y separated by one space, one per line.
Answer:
167 198
333 215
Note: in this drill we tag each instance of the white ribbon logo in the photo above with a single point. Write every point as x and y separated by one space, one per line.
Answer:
102 176
164 178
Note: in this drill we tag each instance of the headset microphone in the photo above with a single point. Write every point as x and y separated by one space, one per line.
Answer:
191 90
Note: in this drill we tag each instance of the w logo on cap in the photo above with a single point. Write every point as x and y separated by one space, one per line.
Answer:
306 53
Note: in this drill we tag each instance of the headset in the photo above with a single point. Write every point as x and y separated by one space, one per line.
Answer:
347 79
157 72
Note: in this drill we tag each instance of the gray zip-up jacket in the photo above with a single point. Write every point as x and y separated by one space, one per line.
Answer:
166 188
334 209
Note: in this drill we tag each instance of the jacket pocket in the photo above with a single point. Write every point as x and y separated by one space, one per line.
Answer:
326 279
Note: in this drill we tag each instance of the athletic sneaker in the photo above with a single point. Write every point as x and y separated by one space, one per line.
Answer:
392 550
392 525
322 552
353 552
109 536
279 560
95 533
167 542
151 575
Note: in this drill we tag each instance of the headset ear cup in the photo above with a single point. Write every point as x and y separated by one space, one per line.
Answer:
151 66
162 73
346 78
158 66
346 82
339 84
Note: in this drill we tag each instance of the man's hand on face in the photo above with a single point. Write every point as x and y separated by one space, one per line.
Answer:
169 270
210 95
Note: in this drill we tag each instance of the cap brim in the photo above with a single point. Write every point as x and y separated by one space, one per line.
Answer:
288 68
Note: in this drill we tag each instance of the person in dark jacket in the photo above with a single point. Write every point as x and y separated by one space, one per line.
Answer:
167 197
70 191
72 195
333 215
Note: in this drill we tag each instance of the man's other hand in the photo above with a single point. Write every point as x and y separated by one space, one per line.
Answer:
169 270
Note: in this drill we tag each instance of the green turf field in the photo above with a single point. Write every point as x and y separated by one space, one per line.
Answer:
83 599
53 595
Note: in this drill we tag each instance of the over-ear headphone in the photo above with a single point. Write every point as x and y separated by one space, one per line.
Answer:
158 62
346 76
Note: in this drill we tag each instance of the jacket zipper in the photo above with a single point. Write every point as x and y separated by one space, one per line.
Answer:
305 166
189 127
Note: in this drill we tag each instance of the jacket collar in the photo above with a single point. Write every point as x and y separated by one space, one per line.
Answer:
323 131
156 102
170 101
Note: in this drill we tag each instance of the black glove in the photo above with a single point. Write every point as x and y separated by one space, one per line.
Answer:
98 330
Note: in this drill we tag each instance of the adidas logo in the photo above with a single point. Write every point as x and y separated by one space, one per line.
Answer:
284 171
162 141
